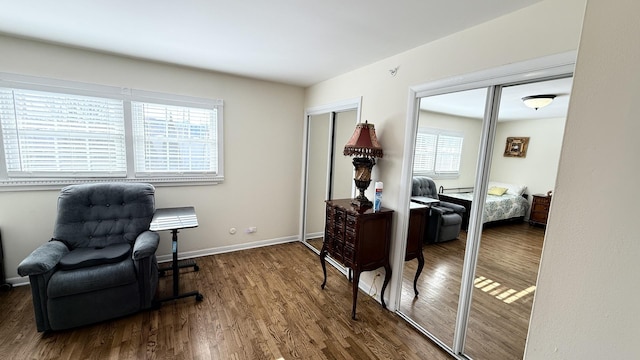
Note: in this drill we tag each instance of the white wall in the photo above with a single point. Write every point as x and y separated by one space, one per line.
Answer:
586 304
485 46
538 169
262 138
489 45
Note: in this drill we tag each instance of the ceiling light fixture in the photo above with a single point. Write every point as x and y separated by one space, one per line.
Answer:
538 101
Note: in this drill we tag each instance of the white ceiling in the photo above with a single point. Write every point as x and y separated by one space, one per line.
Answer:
471 103
295 42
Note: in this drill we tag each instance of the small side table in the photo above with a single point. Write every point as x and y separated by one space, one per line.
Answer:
174 219
424 200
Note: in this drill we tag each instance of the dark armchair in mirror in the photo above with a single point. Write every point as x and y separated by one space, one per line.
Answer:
444 218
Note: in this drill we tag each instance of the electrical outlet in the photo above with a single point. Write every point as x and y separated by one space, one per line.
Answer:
251 230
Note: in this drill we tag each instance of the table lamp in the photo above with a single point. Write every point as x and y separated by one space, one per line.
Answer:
364 146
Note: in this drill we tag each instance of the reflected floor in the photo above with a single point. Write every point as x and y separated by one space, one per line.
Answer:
504 288
316 243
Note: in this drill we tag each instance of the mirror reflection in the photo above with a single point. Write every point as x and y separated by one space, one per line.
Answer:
526 150
445 157
318 160
329 173
521 175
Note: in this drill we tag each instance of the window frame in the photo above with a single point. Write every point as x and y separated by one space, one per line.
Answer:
437 133
127 96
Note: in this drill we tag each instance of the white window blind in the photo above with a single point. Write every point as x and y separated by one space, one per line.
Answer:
57 132
49 134
448 154
174 139
425 155
437 152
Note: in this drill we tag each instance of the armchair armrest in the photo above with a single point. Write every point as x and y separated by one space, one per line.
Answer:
455 207
441 210
146 245
43 259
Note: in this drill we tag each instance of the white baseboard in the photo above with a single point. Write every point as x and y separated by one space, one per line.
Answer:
314 235
23 280
227 249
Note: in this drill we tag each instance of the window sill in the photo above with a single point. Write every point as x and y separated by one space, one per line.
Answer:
10 185
438 176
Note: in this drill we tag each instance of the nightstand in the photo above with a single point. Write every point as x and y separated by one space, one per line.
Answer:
539 209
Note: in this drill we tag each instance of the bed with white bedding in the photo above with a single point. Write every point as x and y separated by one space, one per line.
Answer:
512 204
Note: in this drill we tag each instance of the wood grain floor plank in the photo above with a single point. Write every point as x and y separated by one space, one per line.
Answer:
261 303
508 263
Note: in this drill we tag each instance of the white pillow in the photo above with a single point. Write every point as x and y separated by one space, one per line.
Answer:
512 189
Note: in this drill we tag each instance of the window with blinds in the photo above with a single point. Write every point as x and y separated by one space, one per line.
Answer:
56 132
48 134
438 153
172 139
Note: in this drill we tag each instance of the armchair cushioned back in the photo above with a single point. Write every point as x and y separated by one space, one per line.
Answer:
99 215
424 186
100 263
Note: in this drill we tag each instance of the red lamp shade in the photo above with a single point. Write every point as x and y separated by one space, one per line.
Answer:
363 142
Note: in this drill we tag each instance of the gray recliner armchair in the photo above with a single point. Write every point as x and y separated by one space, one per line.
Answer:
445 219
100 263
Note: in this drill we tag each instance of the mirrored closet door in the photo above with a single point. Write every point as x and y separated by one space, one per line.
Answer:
474 293
447 144
524 164
329 174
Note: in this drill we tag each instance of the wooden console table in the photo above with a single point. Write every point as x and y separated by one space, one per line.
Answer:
359 239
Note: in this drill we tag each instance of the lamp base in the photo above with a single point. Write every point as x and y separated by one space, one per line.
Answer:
362 203
362 180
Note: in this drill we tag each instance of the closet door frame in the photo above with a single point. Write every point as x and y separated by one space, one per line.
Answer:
331 110
541 69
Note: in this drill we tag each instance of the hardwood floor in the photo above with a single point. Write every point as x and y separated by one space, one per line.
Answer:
262 303
504 288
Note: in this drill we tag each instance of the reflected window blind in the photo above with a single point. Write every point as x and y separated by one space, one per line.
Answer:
437 152
53 134
425 154
174 139
449 151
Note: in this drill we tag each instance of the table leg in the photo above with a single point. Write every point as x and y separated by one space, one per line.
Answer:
387 277
174 265
356 280
323 254
420 266
175 268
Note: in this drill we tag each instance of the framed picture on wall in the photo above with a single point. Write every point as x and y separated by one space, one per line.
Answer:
516 147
